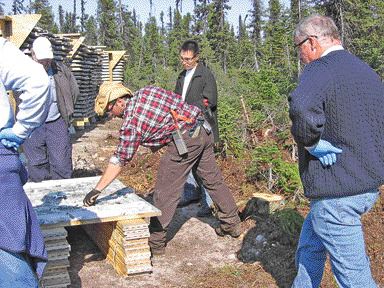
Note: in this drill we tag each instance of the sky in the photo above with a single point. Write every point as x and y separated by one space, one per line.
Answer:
142 7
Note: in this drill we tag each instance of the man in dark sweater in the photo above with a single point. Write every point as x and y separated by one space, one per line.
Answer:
337 124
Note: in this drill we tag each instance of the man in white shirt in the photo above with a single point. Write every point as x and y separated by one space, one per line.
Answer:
197 86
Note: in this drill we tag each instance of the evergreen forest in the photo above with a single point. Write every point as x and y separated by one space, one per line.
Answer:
255 64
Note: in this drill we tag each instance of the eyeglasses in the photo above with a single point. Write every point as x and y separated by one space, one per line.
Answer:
187 59
306 39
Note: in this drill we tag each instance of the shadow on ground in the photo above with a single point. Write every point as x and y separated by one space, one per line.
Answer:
272 243
83 250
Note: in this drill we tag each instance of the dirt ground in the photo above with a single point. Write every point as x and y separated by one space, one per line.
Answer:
196 257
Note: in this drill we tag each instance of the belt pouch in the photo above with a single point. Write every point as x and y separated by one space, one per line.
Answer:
179 142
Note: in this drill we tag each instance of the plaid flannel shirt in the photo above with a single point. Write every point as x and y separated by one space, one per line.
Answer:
148 121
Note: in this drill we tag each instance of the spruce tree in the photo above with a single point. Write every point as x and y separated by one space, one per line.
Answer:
219 31
74 17
108 30
83 16
256 26
131 36
61 18
18 7
244 48
91 33
68 26
361 27
201 12
46 21
176 36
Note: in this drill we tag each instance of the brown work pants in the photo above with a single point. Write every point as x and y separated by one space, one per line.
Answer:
172 175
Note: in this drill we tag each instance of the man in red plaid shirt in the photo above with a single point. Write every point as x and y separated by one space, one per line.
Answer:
148 121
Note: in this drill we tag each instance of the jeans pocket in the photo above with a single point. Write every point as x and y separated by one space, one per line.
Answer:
346 215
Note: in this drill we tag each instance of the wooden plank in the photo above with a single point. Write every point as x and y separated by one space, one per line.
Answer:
59 203
268 197
115 58
22 25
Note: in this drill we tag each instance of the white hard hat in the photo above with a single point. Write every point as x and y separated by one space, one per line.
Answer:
42 48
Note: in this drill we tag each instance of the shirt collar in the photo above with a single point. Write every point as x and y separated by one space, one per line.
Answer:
192 70
331 49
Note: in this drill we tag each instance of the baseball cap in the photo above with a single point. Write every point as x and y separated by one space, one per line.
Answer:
108 92
42 48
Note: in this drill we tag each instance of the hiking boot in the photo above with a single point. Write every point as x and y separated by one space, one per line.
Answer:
233 231
158 251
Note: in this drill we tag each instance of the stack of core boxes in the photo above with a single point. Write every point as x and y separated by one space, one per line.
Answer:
125 243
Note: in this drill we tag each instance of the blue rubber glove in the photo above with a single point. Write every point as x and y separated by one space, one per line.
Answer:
325 152
9 139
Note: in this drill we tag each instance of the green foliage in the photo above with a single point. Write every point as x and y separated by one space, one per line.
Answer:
136 78
290 221
68 25
361 27
365 25
18 7
269 166
231 271
229 122
262 97
91 31
46 21
179 33
153 50
108 30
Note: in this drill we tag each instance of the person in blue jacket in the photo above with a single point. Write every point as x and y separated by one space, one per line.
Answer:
22 249
337 123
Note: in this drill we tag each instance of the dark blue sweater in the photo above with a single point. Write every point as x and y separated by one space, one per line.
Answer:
339 99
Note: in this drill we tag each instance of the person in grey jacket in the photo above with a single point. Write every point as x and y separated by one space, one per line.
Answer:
197 86
336 112
49 149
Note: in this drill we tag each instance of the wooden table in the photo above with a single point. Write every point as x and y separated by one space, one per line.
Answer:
118 224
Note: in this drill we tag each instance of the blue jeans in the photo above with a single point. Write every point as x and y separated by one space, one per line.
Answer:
15 271
333 226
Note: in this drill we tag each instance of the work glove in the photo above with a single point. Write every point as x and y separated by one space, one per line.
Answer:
10 139
90 198
325 152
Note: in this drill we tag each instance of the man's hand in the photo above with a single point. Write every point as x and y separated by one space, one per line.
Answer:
9 139
325 152
90 198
